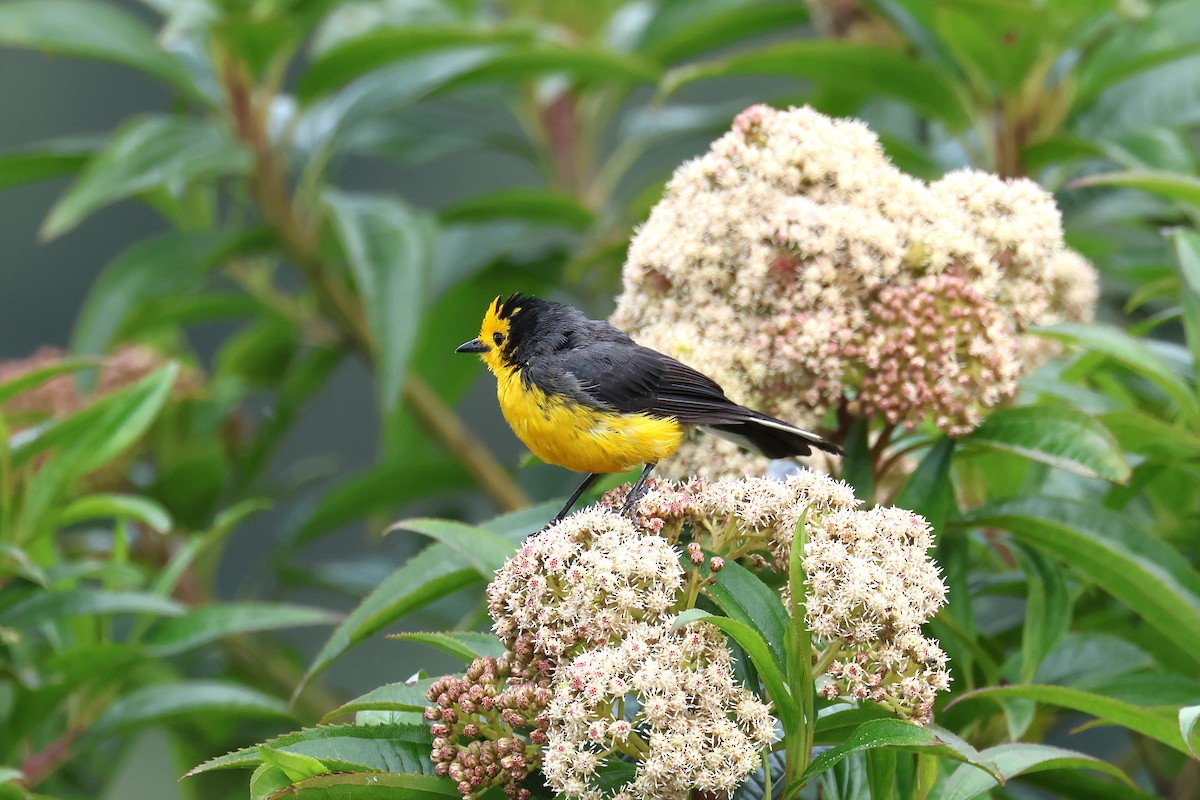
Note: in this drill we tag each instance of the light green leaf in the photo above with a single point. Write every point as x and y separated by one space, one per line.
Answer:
1137 569
295 766
267 780
484 551
390 697
695 33
145 154
343 748
1141 432
1169 185
1056 435
117 506
167 702
1131 354
1188 717
530 204
46 160
579 64
1047 609
1157 724
209 623
901 735
52 606
756 648
90 29
37 377
463 645
389 248
374 786
848 66
1019 758
1187 261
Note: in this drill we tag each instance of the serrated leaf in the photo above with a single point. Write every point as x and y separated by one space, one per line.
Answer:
345 748
51 606
90 29
186 700
401 696
484 551
1020 758
784 705
389 248
146 154
373 786
1056 435
464 645
864 68
904 736
117 506
1157 724
530 204
1139 570
212 622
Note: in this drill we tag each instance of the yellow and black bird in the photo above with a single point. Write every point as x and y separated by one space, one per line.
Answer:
583 395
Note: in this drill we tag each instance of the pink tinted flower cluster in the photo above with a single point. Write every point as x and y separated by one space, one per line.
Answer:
785 261
666 699
871 585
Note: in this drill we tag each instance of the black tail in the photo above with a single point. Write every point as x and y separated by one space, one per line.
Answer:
771 437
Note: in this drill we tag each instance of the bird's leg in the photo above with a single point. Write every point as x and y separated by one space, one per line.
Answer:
639 489
583 487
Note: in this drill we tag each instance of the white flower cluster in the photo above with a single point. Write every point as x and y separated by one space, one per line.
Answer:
665 698
779 261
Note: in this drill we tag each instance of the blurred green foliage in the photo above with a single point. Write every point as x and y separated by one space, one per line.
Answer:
1068 526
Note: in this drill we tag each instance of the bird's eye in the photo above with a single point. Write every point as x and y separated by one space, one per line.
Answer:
498 338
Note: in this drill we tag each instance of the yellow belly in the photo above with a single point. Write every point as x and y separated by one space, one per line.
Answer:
560 431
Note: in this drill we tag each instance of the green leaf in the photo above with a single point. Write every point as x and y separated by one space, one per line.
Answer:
343 748
1157 724
744 597
764 661
186 700
267 780
484 551
53 606
1056 435
1131 354
695 33
37 377
1047 609
209 623
389 248
1170 185
1019 758
1187 260
531 204
464 645
929 491
145 154
47 160
374 786
90 29
862 68
1141 432
295 766
1137 569
579 64
390 697
117 506
901 735
1188 717
427 576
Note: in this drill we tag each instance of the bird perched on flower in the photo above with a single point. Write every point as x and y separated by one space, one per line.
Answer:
583 395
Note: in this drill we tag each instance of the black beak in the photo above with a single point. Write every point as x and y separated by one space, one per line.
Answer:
473 346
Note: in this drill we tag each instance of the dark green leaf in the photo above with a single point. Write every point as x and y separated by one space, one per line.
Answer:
1139 570
47 160
374 786
147 154
484 551
1056 435
168 702
901 735
744 597
859 67
1159 725
858 466
579 64
697 33
1019 758
209 623
389 248
1047 609
1139 431
90 29
390 697
929 491
344 748
52 606
536 205
464 645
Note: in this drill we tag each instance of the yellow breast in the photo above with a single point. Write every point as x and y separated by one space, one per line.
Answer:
561 431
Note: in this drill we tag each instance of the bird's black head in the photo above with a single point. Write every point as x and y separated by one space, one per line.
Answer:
522 328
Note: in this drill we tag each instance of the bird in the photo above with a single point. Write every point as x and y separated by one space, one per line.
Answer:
581 394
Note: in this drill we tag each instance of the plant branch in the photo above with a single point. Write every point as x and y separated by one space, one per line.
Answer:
42 764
